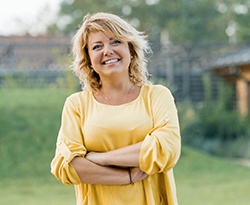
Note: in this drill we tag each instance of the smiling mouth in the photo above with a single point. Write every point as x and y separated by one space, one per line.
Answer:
110 61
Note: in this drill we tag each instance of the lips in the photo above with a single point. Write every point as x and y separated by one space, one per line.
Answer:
110 61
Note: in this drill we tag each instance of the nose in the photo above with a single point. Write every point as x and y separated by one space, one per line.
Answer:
108 50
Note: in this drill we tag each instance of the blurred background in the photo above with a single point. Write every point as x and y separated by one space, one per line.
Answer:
201 51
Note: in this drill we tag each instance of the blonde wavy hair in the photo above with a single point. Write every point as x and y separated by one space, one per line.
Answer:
110 25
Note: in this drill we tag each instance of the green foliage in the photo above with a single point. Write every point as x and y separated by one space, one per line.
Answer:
243 30
214 125
66 81
218 119
23 80
189 123
197 21
182 21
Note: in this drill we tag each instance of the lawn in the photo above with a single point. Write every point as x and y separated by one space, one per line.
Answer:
209 180
34 191
29 122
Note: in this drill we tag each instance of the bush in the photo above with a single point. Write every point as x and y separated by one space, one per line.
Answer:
32 79
214 125
218 118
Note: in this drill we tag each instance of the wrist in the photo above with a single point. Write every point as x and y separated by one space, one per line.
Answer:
130 176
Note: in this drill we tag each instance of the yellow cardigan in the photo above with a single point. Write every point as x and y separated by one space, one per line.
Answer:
88 125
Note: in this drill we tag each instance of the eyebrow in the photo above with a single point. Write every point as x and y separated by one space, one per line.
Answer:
95 42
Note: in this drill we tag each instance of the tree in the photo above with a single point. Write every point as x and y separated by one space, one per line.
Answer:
73 11
165 20
235 13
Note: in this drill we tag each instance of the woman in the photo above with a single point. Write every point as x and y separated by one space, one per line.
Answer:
119 138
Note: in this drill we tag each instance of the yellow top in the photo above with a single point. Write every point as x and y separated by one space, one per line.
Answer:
88 125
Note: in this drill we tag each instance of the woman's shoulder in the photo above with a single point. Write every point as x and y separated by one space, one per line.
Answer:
158 92
78 98
156 89
78 94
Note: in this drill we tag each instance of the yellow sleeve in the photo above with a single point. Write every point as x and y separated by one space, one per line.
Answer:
69 143
161 148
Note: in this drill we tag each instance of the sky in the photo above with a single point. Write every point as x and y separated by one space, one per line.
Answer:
18 17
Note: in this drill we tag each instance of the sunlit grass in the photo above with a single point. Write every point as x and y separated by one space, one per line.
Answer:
34 191
208 180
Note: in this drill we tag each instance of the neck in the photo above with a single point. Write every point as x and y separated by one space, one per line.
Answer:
116 93
116 86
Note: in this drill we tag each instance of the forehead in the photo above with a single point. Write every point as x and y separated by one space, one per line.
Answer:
99 36
95 37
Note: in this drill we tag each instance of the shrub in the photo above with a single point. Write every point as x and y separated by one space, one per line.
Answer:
218 118
214 125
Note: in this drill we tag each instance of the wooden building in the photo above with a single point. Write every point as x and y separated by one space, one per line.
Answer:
37 58
235 69
32 52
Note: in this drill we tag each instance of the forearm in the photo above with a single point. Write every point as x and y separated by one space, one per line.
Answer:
91 173
125 157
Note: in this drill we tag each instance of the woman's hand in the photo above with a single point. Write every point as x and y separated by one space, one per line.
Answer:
137 174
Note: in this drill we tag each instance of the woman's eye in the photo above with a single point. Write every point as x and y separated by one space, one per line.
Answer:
97 47
116 42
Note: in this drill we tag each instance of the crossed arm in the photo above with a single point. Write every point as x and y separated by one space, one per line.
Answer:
109 167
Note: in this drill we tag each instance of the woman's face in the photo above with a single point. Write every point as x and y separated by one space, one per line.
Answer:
109 56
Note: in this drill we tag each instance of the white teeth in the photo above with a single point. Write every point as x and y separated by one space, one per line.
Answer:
111 61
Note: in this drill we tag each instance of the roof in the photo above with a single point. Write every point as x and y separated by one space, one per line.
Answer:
237 58
29 52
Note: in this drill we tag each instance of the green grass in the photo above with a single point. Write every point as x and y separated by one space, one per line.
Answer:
34 191
208 180
29 122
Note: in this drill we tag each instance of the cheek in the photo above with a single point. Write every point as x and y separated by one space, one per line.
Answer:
128 57
92 58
